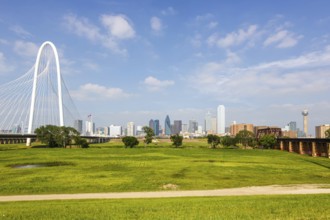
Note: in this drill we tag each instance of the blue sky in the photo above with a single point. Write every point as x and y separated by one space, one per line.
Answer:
124 61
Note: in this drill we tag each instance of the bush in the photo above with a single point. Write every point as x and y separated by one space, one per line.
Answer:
130 141
83 143
177 140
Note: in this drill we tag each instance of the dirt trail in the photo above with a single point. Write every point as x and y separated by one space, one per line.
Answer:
253 190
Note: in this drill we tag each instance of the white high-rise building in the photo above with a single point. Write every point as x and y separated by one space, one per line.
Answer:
90 126
221 123
131 129
115 131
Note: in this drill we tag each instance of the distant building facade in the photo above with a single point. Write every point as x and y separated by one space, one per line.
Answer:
193 126
236 128
115 131
292 126
177 127
221 123
208 123
78 125
131 129
320 130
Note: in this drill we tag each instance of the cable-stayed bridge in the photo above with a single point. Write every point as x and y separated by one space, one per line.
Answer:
38 97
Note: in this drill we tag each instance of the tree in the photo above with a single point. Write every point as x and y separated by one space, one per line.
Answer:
177 140
46 135
327 133
130 141
82 142
56 136
246 138
228 141
213 139
267 141
149 134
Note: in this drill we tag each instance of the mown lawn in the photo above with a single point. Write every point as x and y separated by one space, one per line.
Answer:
243 207
112 168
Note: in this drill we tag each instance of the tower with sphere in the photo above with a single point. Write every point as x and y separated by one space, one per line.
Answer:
305 120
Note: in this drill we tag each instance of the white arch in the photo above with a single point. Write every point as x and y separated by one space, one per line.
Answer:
34 88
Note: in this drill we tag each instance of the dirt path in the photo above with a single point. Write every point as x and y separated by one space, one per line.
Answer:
253 190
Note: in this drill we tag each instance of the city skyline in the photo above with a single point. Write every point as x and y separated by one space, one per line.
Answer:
131 61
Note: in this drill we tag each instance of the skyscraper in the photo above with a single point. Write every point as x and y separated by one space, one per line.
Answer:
221 123
90 126
115 131
177 126
168 126
130 129
151 124
193 126
156 127
292 126
208 122
78 125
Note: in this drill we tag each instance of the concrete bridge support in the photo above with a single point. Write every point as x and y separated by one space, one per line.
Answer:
314 147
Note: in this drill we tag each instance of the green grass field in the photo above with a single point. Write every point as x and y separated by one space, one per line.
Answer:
243 207
111 168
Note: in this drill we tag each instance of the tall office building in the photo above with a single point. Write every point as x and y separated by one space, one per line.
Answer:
115 131
193 126
221 119
90 126
156 127
78 125
208 123
106 131
131 129
184 128
167 125
151 124
177 126
292 126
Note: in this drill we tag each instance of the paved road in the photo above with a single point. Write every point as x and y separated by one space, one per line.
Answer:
254 190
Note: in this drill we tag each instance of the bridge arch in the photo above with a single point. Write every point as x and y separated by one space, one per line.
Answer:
42 66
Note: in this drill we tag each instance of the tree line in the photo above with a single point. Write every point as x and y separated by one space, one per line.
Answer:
61 136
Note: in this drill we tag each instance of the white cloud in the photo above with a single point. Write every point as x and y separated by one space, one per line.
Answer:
204 17
155 84
20 31
212 24
233 38
93 92
82 27
272 82
118 26
156 24
169 11
196 41
4 66
282 39
26 49
4 42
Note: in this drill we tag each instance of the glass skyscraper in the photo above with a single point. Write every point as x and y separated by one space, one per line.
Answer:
168 126
154 125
